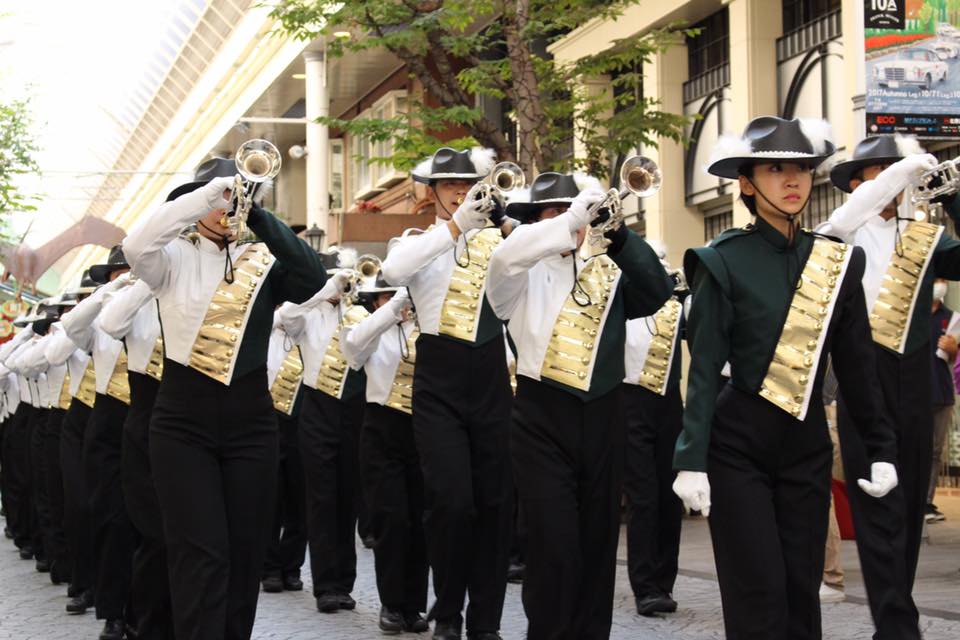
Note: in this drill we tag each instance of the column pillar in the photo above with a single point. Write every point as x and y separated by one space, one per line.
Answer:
755 26
854 85
318 137
668 219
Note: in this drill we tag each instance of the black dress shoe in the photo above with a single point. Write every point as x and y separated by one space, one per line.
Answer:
26 553
292 582
347 602
73 590
391 622
113 630
272 584
484 635
58 574
656 603
413 622
80 603
43 566
328 602
7 533
446 631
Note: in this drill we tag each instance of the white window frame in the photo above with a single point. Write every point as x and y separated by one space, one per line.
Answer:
370 179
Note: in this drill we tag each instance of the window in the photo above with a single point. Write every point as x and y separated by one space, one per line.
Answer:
716 223
370 175
797 13
336 175
711 48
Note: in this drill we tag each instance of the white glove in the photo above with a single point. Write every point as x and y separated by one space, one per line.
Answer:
342 280
913 166
213 194
472 214
578 215
399 303
883 478
693 488
119 282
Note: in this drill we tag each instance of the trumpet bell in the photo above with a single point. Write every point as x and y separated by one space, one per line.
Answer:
258 160
507 176
641 176
368 265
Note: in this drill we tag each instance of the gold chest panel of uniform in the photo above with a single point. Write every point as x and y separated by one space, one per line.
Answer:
656 367
155 366
63 402
900 285
87 391
461 307
287 383
576 332
215 349
119 385
788 376
401 391
333 369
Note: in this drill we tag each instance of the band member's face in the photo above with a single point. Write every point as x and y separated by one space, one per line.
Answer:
211 225
382 299
116 274
786 185
449 195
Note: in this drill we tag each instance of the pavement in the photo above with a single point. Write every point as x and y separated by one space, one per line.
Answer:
32 609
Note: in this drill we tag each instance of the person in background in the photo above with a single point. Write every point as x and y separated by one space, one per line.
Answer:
944 347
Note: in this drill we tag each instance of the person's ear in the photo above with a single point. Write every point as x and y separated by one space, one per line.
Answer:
746 187
854 183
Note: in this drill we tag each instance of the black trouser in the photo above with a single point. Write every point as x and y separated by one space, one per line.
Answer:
461 421
213 451
288 539
55 540
568 464
39 512
19 504
889 529
328 447
4 431
76 500
393 491
114 538
770 492
149 586
653 423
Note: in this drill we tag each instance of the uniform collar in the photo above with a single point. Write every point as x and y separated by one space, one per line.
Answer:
771 234
207 245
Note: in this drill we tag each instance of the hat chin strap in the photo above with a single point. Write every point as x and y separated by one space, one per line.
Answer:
228 263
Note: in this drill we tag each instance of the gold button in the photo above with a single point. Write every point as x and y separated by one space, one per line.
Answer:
581 375
795 412
233 338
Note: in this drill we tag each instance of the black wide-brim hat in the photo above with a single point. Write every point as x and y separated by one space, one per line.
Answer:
548 190
448 164
872 150
86 286
100 273
207 171
771 139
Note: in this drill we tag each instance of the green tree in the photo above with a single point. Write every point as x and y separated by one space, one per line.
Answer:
462 50
17 156
926 18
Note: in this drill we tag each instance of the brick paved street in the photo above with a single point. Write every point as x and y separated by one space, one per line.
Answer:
32 609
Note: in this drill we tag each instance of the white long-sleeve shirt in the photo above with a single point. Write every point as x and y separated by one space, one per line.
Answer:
62 351
83 328
374 344
131 315
311 326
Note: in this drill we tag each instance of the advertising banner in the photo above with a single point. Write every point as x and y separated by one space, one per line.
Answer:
912 50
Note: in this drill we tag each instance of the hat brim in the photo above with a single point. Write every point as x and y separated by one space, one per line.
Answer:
843 172
185 188
100 273
528 211
433 177
730 167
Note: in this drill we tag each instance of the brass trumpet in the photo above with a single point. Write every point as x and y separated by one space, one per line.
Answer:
257 161
506 177
640 176
941 180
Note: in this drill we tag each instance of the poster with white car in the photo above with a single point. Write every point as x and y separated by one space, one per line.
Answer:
912 50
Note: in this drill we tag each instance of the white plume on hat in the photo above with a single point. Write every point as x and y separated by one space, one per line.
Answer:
586 181
907 145
729 145
423 167
518 195
346 258
483 159
819 132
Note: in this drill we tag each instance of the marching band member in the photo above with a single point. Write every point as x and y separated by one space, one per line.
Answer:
213 435
384 345
567 317
653 410
113 534
461 396
904 256
330 420
130 315
288 538
773 300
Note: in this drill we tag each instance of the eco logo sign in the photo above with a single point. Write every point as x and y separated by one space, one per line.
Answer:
885 14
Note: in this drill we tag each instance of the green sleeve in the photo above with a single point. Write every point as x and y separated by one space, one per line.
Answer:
946 258
298 272
708 337
645 282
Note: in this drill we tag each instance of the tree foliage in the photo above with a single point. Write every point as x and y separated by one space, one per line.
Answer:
467 51
17 156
